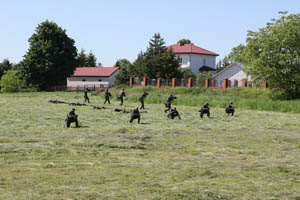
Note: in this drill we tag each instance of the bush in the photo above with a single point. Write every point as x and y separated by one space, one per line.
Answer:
10 82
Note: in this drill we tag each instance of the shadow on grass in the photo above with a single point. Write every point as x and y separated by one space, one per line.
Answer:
145 123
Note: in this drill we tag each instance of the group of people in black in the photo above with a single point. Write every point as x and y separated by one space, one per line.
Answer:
135 113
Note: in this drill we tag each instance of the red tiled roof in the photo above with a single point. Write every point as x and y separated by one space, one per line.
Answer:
94 71
190 48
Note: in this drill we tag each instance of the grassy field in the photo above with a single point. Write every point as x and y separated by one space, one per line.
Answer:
253 155
243 98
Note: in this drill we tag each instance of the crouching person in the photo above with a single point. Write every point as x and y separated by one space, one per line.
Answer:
71 118
135 114
229 109
174 113
205 110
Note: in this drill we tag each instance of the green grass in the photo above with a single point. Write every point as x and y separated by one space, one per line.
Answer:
243 98
253 155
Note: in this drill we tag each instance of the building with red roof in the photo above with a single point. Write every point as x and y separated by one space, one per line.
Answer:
197 58
93 77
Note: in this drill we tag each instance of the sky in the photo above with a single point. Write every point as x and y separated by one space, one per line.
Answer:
117 29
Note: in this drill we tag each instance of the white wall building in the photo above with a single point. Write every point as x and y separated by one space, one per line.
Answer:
93 77
233 72
198 59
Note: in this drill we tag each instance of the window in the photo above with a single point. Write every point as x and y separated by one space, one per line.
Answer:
99 80
204 61
83 79
184 61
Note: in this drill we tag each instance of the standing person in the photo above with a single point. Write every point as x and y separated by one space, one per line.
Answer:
229 109
205 110
168 102
121 96
86 98
142 98
107 95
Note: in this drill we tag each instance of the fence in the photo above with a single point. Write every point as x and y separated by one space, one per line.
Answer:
79 88
192 83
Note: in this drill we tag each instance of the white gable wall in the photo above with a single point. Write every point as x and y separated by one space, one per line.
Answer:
196 61
234 72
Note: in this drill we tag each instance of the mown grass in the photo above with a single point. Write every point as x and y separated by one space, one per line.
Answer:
253 155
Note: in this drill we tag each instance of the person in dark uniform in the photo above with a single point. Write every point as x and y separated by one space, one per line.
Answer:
107 95
168 102
142 98
205 110
229 109
121 96
135 114
86 98
174 113
71 117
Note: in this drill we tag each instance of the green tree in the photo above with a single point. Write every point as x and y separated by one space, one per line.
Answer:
4 66
139 66
125 71
184 41
187 73
158 61
204 75
11 82
81 58
51 56
91 60
237 55
273 54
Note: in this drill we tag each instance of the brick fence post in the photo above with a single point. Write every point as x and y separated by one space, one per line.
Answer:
213 83
130 82
206 84
225 83
173 82
190 83
145 81
264 84
244 84
158 82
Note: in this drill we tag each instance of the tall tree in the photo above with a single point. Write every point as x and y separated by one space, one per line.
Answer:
273 53
4 66
158 61
51 56
81 58
91 60
125 71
